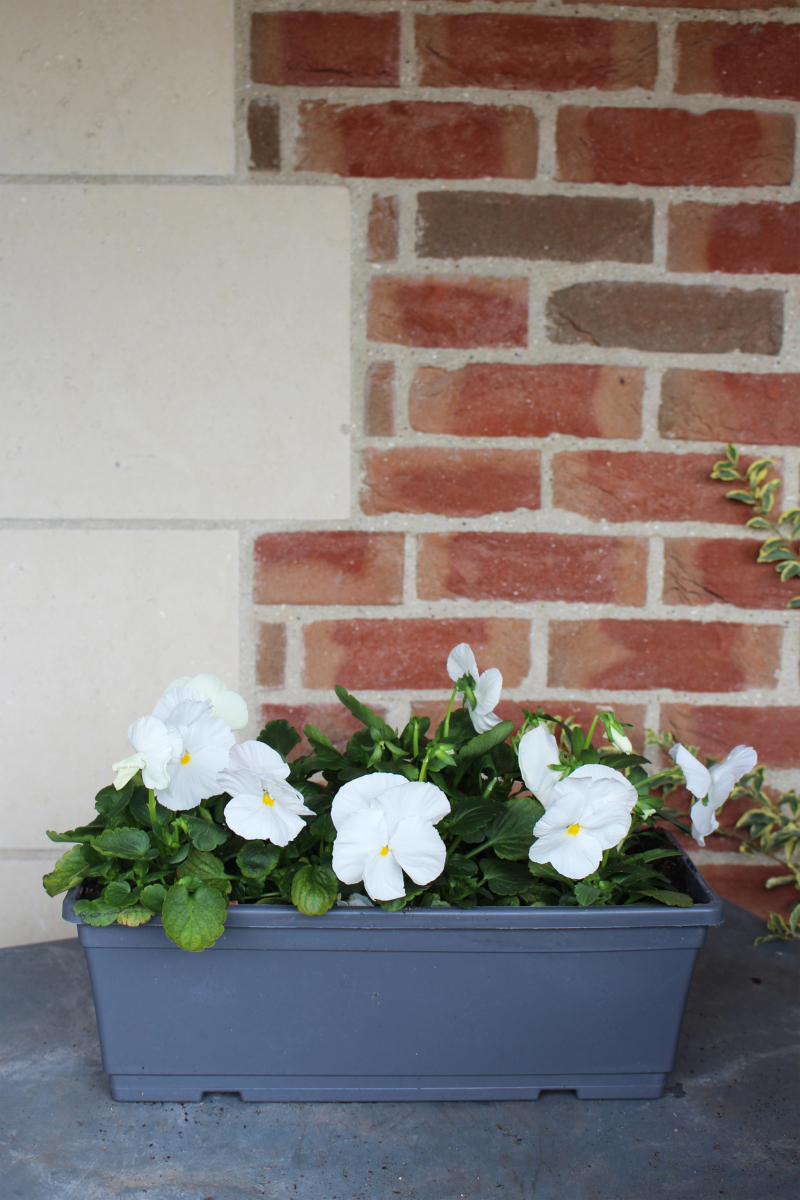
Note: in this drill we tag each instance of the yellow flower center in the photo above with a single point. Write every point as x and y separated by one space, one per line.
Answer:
267 799
574 830
384 851
186 758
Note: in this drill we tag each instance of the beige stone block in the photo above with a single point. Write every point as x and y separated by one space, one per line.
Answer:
174 351
116 87
94 624
29 914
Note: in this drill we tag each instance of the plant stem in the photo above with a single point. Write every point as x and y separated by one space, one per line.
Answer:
592 728
447 714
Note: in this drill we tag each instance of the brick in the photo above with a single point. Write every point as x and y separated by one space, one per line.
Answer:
556 228
668 317
532 566
333 720
743 239
448 310
453 483
410 653
535 53
717 728
720 406
670 147
722 571
744 885
729 5
685 656
517 400
418 140
383 229
325 49
641 486
738 60
329 567
379 400
270 655
263 130
583 712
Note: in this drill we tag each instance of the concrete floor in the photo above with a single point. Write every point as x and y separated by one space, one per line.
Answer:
726 1126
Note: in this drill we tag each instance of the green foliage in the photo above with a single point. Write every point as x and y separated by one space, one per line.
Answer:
194 917
758 491
314 890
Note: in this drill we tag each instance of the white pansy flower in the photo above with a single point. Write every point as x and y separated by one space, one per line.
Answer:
264 805
226 704
589 812
155 745
486 687
384 826
537 751
711 785
196 764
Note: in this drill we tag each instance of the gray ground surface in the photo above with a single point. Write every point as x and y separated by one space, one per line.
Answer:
726 1127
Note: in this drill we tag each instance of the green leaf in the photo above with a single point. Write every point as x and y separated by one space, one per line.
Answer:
459 867
282 736
180 854
587 894
505 878
469 818
314 890
511 834
732 453
742 497
759 523
119 894
84 833
486 741
364 714
122 843
724 471
137 914
202 865
788 571
70 869
674 899
152 897
140 809
193 921
323 828
109 802
794 602
775 553
204 835
257 859
95 912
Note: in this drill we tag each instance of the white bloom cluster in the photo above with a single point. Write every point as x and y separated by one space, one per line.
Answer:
711 786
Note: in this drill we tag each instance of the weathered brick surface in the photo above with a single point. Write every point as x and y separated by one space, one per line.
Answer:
582 711
517 400
725 5
668 317
721 406
739 60
744 885
722 571
744 239
418 140
270 655
333 720
717 728
455 483
641 486
263 130
329 567
379 400
383 229
448 310
559 228
685 656
410 653
670 147
326 49
491 50
532 566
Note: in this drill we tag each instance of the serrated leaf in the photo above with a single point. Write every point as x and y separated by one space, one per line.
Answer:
202 865
364 714
281 736
122 843
469 818
511 834
70 869
204 835
314 890
84 833
95 912
505 878
152 897
323 828
486 741
257 859
673 899
109 802
134 916
119 895
458 867
586 894
193 921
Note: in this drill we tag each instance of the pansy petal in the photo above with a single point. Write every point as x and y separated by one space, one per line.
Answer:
178 683
383 877
157 745
577 856
419 849
251 818
287 797
259 758
362 793
725 775
698 779
487 690
704 822
482 722
461 661
126 768
170 701
622 786
360 838
423 800
537 750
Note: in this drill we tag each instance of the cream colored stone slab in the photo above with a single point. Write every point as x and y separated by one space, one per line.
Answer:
93 626
174 351
29 914
116 87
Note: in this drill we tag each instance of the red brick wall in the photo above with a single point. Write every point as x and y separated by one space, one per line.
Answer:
576 243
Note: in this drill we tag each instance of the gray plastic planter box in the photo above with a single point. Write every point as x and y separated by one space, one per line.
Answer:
430 1004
